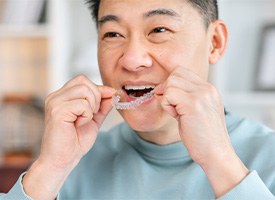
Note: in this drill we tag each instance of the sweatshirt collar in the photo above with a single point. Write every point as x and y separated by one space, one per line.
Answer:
170 151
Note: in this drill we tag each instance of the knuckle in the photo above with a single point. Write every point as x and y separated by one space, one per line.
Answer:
181 109
50 108
50 98
210 92
85 90
53 111
178 70
197 103
172 79
167 92
84 103
86 107
211 89
81 78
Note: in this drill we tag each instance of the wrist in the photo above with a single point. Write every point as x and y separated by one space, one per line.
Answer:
224 172
44 181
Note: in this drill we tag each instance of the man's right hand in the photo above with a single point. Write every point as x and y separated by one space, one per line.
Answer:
74 115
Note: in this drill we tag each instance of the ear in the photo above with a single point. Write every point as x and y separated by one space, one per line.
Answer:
218 38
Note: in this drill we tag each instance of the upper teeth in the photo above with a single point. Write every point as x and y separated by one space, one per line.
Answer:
141 87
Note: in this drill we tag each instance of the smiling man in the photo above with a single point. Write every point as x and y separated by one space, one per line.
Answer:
179 144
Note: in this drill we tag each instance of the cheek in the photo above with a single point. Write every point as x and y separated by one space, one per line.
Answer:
171 58
102 68
201 61
168 57
198 55
107 64
175 53
191 56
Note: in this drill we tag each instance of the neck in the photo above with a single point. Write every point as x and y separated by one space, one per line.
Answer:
166 135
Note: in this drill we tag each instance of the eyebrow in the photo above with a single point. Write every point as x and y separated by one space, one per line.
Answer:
161 11
151 13
108 18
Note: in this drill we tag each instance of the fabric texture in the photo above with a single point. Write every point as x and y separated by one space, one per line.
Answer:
123 166
17 191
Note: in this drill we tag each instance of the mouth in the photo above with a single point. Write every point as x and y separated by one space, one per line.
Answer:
137 91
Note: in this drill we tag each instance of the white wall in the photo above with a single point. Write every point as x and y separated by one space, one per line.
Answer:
245 20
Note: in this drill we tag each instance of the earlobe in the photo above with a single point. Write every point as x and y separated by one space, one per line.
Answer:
219 39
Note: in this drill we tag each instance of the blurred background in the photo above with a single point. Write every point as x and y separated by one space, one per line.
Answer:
44 43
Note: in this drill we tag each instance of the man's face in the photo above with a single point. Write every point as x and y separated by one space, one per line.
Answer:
141 42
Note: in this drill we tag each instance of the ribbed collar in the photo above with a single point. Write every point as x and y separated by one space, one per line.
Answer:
162 152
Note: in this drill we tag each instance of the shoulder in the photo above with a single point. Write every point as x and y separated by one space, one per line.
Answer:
254 143
243 130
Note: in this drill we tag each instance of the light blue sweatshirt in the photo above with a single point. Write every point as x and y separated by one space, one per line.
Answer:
123 166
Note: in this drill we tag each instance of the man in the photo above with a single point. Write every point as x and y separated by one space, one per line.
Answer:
179 144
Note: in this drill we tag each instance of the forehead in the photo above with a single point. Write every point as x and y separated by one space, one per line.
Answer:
126 9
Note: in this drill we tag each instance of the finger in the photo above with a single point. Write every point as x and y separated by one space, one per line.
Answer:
89 130
181 83
78 80
159 89
169 108
93 93
176 102
76 111
106 91
105 108
188 75
84 81
180 78
80 92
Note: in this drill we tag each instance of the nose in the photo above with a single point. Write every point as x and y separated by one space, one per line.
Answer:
135 57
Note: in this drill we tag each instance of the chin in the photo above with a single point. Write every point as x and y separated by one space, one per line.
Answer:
146 120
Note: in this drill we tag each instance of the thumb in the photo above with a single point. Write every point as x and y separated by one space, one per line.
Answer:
106 91
165 104
169 108
105 107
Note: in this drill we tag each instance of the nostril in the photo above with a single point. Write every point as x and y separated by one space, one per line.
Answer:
135 60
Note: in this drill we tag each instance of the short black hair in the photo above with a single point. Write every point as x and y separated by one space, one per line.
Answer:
207 8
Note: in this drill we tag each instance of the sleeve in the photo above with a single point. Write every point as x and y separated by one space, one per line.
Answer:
16 192
251 188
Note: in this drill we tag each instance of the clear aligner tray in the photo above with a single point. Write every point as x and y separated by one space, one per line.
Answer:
132 104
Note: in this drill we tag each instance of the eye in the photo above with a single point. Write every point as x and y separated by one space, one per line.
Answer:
160 34
159 30
111 35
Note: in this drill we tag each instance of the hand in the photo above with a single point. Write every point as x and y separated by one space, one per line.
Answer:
197 106
74 115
